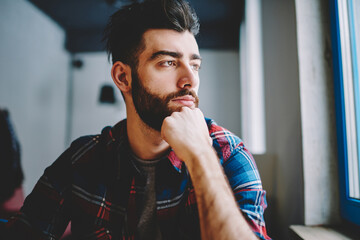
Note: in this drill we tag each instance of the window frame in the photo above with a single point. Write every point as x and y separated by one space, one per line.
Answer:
349 207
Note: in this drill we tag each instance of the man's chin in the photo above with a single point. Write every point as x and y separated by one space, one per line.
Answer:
178 107
156 124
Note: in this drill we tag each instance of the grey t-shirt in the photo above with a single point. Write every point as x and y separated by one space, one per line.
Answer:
148 228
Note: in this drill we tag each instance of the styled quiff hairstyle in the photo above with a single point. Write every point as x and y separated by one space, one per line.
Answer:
124 31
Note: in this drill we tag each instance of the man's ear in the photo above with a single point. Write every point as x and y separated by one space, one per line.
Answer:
121 75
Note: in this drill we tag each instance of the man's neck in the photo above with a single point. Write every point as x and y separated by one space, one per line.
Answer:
145 142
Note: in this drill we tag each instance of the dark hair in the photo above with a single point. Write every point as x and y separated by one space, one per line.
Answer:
124 31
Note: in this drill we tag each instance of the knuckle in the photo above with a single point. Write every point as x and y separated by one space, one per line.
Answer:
174 114
199 112
166 120
184 109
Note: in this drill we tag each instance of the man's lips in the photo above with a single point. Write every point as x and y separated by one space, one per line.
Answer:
184 100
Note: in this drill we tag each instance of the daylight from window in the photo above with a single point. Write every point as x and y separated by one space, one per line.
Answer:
349 20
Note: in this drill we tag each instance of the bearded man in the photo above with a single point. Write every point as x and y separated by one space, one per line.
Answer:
165 172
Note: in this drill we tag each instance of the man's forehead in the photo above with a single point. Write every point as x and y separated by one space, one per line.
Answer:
170 40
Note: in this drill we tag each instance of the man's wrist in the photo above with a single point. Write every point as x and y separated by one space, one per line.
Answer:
204 162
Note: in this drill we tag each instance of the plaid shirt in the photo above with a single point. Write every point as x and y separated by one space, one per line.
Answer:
94 184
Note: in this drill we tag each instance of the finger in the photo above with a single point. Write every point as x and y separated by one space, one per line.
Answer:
164 127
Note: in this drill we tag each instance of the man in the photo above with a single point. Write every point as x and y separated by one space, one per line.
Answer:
163 173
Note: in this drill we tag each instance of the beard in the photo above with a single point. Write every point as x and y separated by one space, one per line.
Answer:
153 108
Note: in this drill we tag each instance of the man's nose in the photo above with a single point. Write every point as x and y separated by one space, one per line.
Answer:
188 77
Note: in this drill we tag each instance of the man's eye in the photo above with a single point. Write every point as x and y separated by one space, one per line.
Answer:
196 67
168 63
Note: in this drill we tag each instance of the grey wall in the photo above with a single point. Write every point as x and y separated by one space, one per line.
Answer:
299 169
321 200
283 122
33 77
220 88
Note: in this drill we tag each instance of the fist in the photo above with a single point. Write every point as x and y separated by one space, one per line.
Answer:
187 133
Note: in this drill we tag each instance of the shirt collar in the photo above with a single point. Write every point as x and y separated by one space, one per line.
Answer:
175 161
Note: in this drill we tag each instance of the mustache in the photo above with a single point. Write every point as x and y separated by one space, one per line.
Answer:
183 92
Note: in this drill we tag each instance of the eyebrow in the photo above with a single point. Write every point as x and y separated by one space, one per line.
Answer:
196 56
172 54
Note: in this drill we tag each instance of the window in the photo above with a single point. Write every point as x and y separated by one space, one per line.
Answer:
345 17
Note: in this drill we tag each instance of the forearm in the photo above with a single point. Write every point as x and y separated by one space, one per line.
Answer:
220 217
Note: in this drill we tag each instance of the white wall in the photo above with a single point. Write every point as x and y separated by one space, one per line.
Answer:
33 77
89 116
219 92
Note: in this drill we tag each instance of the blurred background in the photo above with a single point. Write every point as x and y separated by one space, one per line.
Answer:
266 76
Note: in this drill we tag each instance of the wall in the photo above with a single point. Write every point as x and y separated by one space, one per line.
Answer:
34 71
220 88
300 167
89 116
219 92
317 112
283 122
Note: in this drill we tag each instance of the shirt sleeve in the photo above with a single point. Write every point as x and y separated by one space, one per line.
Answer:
46 211
245 182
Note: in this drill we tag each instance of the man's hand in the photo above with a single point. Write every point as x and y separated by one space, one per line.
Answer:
220 218
187 133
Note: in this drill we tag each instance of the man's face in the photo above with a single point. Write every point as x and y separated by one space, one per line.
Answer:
167 76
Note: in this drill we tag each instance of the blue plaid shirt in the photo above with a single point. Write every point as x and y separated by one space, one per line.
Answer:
94 184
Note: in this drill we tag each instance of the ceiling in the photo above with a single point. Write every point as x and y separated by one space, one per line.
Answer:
84 21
